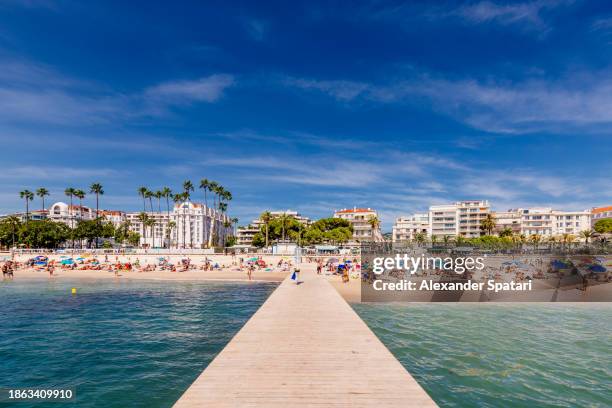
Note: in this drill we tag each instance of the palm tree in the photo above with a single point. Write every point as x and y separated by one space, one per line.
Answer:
149 195
506 232
42 192
187 189
214 188
169 227
28 196
167 194
143 217
177 199
234 221
158 194
420 237
446 239
150 222
70 193
375 224
284 219
205 185
568 239
142 191
80 194
266 217
587 234
535 240
434 239
488 223
98 190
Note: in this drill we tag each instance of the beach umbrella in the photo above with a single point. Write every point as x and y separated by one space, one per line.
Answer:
332 260
597 268
558 264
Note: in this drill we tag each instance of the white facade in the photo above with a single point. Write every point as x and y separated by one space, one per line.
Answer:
245 234
193 226
70 215
360 219
511 219
548 222
405 228
462 218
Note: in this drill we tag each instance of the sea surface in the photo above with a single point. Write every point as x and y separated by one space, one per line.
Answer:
523 355
117 344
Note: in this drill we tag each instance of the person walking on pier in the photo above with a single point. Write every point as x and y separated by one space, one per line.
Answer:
296 275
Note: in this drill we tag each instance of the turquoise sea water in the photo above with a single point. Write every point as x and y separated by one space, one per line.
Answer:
526 355
120 344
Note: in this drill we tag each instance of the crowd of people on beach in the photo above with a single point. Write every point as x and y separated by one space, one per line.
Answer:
118 264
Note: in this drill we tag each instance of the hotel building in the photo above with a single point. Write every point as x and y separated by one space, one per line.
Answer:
405 228
245 234
601 213
360 220
194 226
70 215
462 218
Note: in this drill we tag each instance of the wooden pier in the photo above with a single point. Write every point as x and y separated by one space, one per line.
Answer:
305 347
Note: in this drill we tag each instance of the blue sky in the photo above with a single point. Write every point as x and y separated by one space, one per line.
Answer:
310 105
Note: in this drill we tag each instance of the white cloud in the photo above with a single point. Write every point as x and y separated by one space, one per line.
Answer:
36 93
526 13
579 100
207 89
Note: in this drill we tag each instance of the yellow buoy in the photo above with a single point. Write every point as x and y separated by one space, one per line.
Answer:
74 291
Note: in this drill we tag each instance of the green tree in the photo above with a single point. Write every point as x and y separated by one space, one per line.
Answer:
506 232
98 190
28 196
586 235
43 234
143 191
603 226
70 193
42 192
205 186
80 194
266 217
9 228
143 217
167 194
488 224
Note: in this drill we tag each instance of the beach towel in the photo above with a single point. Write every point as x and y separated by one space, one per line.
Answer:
294 276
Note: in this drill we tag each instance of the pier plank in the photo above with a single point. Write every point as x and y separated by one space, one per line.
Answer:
305 347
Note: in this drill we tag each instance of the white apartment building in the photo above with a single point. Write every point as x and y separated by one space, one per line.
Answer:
462 218
360 219
115 217
510 219
405 228
193 225
245 234
547 222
